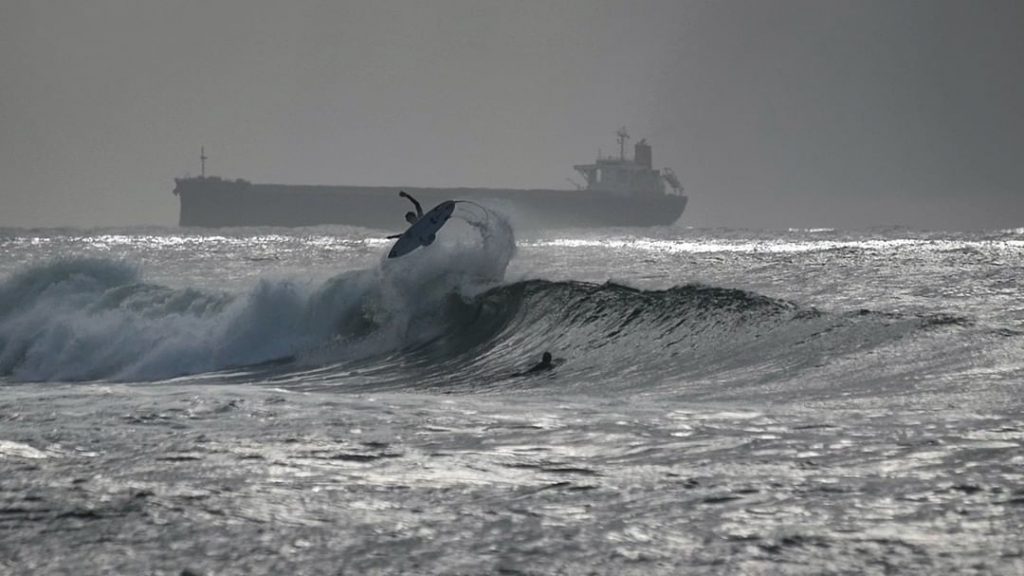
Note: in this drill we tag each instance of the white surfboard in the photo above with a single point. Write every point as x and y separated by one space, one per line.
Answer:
423 232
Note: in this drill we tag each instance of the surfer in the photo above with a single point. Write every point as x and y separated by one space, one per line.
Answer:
410 216
544 365
422 228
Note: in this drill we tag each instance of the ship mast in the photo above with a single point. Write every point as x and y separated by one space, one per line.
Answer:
623 136
202 160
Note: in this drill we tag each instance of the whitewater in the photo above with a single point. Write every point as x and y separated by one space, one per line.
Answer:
289 401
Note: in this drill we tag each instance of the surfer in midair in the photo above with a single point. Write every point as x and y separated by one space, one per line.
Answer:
410 216
422 228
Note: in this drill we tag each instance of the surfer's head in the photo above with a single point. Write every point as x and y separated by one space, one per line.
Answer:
410 217
546 358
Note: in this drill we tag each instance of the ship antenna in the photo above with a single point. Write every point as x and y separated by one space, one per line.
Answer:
202 160
623 135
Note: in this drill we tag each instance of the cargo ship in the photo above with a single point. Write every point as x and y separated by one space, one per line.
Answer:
617 191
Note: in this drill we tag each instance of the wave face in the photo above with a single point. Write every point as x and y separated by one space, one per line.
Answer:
608 338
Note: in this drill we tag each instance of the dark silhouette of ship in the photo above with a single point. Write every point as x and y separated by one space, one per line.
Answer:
618 192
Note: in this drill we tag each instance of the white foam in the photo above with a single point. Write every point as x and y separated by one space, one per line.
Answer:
95 319
11 449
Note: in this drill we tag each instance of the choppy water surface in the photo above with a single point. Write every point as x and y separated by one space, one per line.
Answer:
281 401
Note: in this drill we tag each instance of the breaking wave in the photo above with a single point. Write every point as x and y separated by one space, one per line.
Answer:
440 319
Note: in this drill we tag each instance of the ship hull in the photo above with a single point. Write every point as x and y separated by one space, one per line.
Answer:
212 202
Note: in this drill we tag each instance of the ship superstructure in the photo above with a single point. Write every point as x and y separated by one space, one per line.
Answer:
624 177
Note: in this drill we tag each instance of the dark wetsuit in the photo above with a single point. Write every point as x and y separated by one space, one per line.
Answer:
419 209
410 217
542 366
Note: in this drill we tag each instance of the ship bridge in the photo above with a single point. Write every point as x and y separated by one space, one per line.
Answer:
628 177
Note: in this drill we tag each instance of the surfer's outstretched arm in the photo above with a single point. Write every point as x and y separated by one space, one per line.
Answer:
393 236
419 209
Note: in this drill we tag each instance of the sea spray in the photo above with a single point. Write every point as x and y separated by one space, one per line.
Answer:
90 319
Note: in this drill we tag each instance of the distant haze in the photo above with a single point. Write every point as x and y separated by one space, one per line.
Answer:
774 114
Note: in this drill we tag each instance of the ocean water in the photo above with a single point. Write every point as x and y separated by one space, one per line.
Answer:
288 401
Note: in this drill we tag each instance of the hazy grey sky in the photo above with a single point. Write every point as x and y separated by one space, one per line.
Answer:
774 113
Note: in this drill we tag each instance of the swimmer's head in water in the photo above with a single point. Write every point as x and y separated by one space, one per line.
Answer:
546 358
